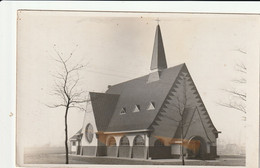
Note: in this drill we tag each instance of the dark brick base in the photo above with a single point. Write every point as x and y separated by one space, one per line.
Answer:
112 151
139 152
160 152
89 150
101 151
163 152
124 151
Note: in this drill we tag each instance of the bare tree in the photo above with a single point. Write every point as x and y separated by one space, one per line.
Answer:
66 89
237 93
179 106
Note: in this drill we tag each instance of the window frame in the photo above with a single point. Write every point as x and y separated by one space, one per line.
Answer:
124 144
123 111
135 143
89 133
109 140
159 143
138 107
151 103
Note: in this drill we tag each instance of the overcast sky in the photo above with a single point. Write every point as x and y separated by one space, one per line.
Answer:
118 47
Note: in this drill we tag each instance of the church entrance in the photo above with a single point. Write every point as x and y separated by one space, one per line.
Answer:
111 147
124 147
197 148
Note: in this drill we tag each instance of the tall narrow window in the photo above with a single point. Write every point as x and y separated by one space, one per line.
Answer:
89 132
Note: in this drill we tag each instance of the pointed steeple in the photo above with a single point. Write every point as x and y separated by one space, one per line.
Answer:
158 57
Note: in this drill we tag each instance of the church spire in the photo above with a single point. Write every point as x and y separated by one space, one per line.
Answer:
158 57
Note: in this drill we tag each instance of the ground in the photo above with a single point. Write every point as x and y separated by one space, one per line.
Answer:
60 159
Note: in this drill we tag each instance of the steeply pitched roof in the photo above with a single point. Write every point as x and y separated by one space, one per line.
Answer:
128 95
103 107
77 136
195 103
158 58
139 92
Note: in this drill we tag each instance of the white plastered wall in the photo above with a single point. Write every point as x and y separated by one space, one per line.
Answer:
89 118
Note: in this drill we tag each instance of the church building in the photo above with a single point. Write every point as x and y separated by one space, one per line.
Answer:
159 115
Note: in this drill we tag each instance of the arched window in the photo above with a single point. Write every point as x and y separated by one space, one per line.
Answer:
89 132
158 142
124 141
139 141
111 141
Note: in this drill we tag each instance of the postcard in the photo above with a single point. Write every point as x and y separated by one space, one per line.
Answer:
135 88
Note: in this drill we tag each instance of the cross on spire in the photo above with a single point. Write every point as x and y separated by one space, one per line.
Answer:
158 20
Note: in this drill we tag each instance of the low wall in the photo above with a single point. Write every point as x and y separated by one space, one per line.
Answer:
89 150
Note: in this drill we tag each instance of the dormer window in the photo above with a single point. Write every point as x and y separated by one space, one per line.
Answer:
136 109
123 111
151 106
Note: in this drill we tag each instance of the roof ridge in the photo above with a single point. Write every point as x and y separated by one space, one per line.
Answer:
182 64
103 93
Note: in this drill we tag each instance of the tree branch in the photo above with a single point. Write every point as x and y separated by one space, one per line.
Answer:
171 118
241 68
55 106
79 101
78 107
242 96
235 106
241 80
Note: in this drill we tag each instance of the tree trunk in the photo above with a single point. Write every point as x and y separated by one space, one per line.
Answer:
182 155
66 135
